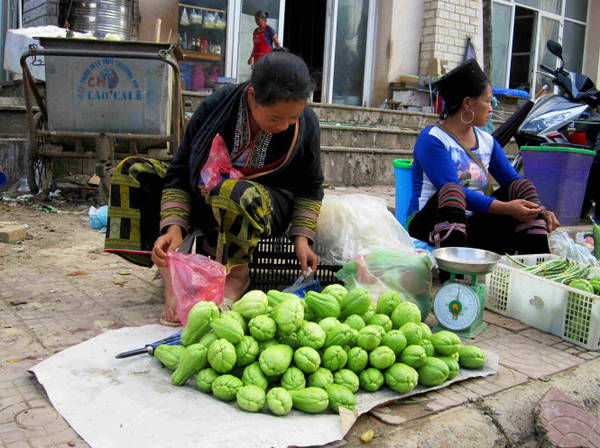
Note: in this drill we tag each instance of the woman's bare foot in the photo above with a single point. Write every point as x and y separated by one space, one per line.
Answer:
168 314
237 282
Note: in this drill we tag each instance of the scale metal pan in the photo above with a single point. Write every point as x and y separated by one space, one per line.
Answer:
466 260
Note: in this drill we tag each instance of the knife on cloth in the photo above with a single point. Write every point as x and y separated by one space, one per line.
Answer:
174 339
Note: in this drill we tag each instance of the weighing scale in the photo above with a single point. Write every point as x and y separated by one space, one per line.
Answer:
458 306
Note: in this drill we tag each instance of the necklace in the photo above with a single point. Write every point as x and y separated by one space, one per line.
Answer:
256 148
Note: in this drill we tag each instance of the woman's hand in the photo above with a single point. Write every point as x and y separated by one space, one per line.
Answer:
520 209
551 220
305 255
169 241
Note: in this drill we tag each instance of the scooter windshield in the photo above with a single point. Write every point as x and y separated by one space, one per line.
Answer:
551 113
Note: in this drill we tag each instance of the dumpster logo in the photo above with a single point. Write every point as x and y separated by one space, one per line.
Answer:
108 79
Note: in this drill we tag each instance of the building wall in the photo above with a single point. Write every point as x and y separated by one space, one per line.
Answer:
40 12
591 64
399 25
446 27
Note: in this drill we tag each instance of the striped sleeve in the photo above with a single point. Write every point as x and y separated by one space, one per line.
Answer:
175 207
304 218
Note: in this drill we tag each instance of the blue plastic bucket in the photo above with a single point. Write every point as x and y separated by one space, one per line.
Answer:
402 173
560 176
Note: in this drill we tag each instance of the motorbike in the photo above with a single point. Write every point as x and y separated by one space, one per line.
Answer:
567 118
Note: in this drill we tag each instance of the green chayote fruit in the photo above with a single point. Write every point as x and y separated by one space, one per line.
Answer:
334 358
321 377
395 340
371 379
169 355
290 339
228 328
276 359
433 372
405 312
221 355
252 304
339 334
328 322
246 351
388 301
428 346
371 311
237 316
412 333
192 361
358 358
252 374
446 342
382 320
198 324
307 359
413 356
340 396
425 330
335 290
205 378
471 357
288 316
262 327
312 335
251 398
452 364
347 378
369 337
310 399
279 401
208 339
355 321
263 345
293 379
382 357
401 378
226 387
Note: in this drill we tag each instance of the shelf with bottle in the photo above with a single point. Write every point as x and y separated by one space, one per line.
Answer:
201 48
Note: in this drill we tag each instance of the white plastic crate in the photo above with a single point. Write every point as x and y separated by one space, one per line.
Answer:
570 313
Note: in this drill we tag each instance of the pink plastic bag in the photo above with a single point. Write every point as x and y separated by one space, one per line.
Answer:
194 278
218 163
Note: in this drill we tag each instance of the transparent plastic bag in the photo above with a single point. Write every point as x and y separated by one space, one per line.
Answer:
304 283
383 269
350 225
194 278
562 244
218 165
196 18
185 19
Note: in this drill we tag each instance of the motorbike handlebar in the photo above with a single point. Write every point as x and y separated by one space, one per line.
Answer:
546 68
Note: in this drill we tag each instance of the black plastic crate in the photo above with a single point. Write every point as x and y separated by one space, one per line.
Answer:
275 266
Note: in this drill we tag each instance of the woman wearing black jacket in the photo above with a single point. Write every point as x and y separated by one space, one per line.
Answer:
272 138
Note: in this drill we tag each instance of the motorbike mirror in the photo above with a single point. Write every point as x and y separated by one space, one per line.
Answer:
555 48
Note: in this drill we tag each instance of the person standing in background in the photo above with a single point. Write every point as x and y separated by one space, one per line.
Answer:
264 37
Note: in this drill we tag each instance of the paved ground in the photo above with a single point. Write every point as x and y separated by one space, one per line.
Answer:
57 289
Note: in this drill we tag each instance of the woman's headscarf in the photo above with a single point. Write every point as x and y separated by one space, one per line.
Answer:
465 80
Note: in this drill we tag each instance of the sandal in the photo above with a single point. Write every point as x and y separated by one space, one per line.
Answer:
169 323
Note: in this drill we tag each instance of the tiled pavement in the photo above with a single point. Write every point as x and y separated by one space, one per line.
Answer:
70 291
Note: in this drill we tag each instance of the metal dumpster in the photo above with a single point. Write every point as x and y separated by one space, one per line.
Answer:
108 94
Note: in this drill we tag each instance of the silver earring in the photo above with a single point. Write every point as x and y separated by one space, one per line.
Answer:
469 121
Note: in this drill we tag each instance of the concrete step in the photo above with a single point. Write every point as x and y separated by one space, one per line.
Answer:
360 166
367 137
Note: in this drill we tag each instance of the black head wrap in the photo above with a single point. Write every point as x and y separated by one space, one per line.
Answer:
466 80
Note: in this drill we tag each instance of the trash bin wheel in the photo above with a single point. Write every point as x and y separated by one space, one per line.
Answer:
38 166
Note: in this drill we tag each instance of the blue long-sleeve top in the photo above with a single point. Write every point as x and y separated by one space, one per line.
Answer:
439 160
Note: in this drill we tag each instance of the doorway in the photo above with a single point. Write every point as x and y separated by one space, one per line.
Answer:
522 49
304 35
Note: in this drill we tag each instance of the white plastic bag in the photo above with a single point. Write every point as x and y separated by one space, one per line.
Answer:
351 225
562 244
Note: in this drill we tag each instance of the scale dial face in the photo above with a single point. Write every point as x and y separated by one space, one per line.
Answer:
456 306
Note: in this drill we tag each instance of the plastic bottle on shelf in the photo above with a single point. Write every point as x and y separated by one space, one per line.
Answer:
205 45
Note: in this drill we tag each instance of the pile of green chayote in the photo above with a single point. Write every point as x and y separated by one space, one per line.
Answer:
312 353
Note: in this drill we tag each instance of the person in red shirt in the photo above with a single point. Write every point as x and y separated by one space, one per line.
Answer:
264 37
